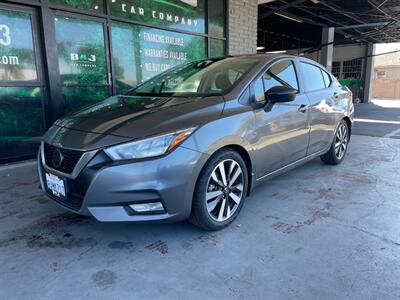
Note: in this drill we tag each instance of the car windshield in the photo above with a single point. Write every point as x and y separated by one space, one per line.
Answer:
205 77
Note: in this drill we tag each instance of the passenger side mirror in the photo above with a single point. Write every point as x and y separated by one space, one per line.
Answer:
278 94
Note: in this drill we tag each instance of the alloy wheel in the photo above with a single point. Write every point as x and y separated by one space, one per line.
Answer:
341 141
224 190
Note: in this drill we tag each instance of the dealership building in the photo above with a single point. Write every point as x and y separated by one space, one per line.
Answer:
57 56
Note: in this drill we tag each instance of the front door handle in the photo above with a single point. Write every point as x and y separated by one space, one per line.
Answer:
303 108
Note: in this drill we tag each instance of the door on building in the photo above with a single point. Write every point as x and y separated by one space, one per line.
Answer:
83 60
21 83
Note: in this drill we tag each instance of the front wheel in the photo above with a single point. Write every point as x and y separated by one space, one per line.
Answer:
220 191
338 149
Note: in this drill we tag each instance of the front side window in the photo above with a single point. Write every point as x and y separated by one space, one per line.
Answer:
281 74
204 77
312 77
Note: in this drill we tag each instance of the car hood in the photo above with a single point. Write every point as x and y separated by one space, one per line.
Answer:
123 118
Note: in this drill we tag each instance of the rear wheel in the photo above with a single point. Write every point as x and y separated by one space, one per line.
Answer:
338 149
220 191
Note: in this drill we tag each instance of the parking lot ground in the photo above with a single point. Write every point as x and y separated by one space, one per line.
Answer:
317 232
380 118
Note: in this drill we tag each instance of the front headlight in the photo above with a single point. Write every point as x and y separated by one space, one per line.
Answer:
150 147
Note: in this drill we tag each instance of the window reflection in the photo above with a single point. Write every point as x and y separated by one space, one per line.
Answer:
90 5
17 55
281 74
21 121
140 52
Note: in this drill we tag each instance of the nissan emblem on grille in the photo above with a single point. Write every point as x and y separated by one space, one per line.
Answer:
57 158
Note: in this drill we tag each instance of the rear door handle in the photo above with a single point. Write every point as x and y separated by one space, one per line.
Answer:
303 108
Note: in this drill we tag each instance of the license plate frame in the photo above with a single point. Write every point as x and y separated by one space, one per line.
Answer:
56 186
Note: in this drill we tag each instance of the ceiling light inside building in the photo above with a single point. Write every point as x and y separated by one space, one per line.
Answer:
288 17
276 52
265 1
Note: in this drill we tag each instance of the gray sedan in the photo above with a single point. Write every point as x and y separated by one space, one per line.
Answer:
193 142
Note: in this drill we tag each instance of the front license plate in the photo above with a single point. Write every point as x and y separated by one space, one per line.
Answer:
55 185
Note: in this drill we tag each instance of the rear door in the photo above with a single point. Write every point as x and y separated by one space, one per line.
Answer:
282 134
323 101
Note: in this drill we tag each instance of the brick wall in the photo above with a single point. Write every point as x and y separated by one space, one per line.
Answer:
242 27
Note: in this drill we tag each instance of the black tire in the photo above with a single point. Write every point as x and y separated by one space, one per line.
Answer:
200 215
332 157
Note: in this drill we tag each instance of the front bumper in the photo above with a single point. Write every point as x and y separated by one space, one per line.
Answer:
105 189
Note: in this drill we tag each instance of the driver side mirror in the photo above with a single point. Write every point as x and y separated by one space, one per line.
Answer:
279 94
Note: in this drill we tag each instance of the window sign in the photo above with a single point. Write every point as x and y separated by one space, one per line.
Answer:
161 50
81 51
90 5
17 55
142 52
82 61
178 14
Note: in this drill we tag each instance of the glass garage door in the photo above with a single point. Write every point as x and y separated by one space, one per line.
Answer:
21 110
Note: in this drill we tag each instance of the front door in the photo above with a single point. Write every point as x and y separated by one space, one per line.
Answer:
83 60
282 134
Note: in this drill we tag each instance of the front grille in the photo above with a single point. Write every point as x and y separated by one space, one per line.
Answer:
69 161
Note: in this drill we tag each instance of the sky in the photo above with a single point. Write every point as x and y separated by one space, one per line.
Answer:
382 48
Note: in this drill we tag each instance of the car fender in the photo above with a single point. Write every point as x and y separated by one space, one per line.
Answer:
232 130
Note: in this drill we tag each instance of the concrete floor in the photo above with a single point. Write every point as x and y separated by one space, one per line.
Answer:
379 118
318 232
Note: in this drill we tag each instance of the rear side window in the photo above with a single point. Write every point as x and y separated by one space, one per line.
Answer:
327 78
281 74
312 77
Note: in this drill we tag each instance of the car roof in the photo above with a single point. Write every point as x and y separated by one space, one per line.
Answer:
265 57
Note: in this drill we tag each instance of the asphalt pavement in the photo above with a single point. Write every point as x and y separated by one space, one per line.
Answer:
317 232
